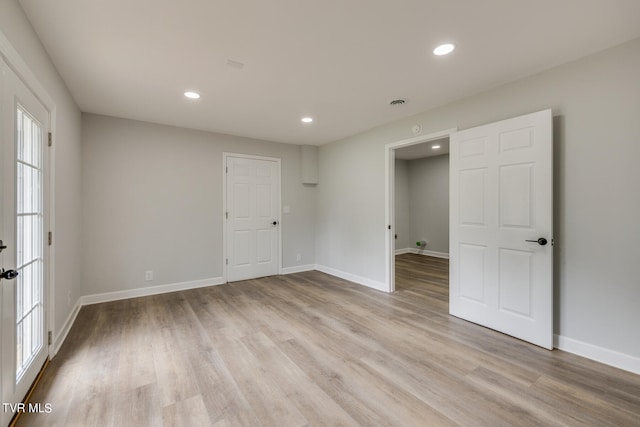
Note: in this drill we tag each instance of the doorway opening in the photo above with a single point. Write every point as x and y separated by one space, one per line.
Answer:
501 205
424 160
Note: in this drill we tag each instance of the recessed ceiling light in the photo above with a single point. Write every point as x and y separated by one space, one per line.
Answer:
307 120
444 49
435 147
192 95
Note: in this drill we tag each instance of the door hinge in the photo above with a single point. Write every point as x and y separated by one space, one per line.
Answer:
226 214
50 238
227 261
50 140
226 169
50 337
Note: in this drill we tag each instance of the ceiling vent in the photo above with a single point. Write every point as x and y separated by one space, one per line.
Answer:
235 64
397 102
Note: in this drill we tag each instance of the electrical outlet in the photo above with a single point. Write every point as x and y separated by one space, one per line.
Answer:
298 257
148 275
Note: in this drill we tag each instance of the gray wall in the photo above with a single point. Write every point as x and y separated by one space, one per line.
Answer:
429 202
152 200
596 105
422 203
66 158
402 216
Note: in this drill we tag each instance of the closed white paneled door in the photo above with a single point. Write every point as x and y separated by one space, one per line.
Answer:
501 220
24 125
252 217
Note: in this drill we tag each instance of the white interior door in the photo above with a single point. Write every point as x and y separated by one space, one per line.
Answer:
252 217
24 125
501 274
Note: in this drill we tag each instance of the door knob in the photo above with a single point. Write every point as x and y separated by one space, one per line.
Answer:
274 223
541 241
2 246
9 274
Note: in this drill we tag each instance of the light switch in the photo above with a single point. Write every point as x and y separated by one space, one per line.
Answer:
286 209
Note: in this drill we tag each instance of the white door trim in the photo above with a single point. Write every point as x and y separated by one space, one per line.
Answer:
278 161
389 197
14 60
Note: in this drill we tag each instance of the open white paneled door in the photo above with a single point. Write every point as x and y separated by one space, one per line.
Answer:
501 227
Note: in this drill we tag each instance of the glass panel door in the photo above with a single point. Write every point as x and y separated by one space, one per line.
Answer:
29 240
24 124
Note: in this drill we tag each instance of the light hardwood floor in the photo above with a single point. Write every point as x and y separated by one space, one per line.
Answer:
312 349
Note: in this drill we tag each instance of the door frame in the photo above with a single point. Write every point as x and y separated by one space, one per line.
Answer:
16 63
389 197
225 242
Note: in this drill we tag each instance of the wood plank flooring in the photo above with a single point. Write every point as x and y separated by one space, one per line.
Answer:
311 349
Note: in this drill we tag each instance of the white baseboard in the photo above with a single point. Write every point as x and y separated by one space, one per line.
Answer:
403 251
151 290
298 269
354 278
422 252
599 354
379 286
64 331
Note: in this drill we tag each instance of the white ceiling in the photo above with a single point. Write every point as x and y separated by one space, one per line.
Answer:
420 151
339 61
